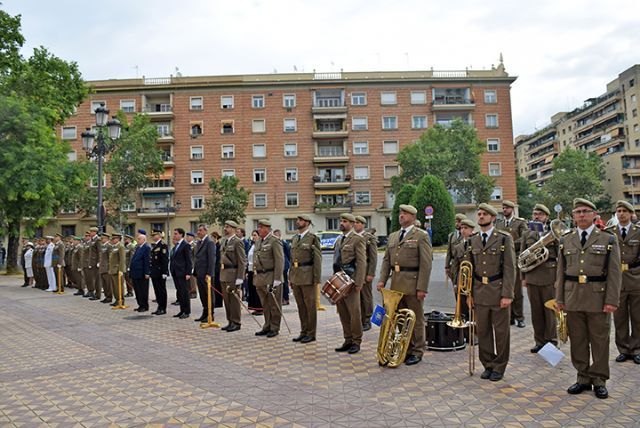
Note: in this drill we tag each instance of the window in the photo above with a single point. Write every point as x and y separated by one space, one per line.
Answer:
226 127
68 209
96 104
633 98
158 227
290 125
363 198
259 175
197 202
290 149
632 82
291 199
634 112
195 103
196 129
291 174
361 172
360 147
259 151
390 147
257 101
193 226
259 200
418 122
226 102
228 151
333 223
495 169
493 144
496 195
359 99
129 207
69 133
389 122
490 97
418 97
390 171
128 106
491 121
258 126
197 177
94 181
359 123
291 225
289 100
72 156
164 129
228 172
197 152
388 98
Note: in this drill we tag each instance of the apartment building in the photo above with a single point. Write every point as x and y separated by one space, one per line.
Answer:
607 125
313 143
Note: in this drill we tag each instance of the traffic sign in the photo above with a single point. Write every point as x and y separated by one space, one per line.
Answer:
428 217
428 210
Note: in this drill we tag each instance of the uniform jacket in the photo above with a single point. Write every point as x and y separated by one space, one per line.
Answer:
234 259
517 226
159 259
58 254
180 260
117 259
454 239
412 256
306 260
128 251
544 274
457 255
205 258
629 257
140 262
352 248
372 253
28 258
76 257
84 254
600 256
68 251
268 255
48 256
104 257
94 252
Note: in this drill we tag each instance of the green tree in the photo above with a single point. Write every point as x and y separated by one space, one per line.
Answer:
227 201
11 40
528 196
453 155
431 191
403 197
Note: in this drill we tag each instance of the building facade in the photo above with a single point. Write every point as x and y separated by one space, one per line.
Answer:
313 143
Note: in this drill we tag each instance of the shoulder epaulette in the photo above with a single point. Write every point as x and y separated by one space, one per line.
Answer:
608 231
521 219
610 228
568 232
503 232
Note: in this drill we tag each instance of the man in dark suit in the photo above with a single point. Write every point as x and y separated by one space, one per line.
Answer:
159 271
181 268
139 271
204 268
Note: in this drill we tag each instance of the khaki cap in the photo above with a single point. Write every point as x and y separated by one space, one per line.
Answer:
86 233
128 236
116 235
105 234
305 217
348 217
156 232
231 223
48 237
460 216
580 202
360 219
488 208
93 229
469 223
543 208
264 222
507 203
626 205
409 209
59 234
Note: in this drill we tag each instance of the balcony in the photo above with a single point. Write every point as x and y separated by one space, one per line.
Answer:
321 133
337 183
452 99
160 185
166 137
328 101
631 169
167 159
331 154
157 212
322 207
160 111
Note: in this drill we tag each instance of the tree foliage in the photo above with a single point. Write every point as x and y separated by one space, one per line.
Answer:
227 201
528 196
403 197
431 191
11 40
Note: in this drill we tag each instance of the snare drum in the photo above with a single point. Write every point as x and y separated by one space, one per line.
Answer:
338 287
441 337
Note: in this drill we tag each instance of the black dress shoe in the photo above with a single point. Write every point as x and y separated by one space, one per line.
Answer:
184 316
176 303
600 391
193 295
262 332
308 339
235 327
87 294
354 349
495 376
486 374
128 295
366 326
272 333
636 359
78 293
105 300
621 358
114 304
143 310
226 327
520 324
513 322
202 318
535 349
93 298
299 338
577 388
178 315
159 312
257 313
344 348
412 359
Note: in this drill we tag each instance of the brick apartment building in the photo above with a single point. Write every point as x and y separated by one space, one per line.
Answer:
315 143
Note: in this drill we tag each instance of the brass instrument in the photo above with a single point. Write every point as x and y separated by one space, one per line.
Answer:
561 320
395 331
538 253
465 283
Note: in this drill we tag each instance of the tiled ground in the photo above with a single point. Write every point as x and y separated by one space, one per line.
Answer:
66 361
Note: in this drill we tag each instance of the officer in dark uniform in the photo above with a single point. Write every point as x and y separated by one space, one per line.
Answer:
159 269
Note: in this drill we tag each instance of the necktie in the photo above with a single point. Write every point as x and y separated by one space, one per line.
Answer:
466 245
484 239
583 240
402 235
506 223
624 232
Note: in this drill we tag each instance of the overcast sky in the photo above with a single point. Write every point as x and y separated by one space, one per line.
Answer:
563 51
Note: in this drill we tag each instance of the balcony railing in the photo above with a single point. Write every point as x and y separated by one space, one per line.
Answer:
452 100
167 158
158 210
158 108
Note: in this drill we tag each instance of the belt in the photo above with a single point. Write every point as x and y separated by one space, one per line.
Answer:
583 279
409 269
301 264
550 259
263 270
225 266
487 279
634 264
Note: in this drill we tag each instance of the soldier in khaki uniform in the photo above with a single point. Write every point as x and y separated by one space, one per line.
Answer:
233 262
268 267
516 226
92 260
454 239
68 274
467 229
627 317
104 282
588 288
407 260
493 258
366 296
117 268
129 249
58 260
76 265
351 257
540 283
304 277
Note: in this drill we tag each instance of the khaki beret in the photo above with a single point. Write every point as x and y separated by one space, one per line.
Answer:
626 205
59 234
231 223
460 216
264 222
116 235
305 217
86 233
105 234
488 208
580 202
93 229
507 203
409 209
348 217
128 236
156 232
469 223
48 237
360 219
543 208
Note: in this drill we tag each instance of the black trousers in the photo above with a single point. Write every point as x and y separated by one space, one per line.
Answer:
182 291
160 288
141 287
202 292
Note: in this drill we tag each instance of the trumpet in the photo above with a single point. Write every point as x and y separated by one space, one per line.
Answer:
465 283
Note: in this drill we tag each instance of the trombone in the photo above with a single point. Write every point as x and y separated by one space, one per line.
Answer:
465 282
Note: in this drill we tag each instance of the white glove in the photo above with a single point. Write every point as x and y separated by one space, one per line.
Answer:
79 269
97 264
164 276
238 282
276 283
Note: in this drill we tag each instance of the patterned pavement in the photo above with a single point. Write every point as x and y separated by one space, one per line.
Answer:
66 362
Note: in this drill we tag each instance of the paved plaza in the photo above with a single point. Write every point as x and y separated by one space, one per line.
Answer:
66 361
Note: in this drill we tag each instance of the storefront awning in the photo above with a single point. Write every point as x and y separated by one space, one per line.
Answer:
549 159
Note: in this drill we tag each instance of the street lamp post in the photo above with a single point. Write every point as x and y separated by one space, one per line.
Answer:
99 150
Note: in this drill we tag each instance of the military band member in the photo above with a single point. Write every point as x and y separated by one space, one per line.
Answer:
408 260
350 256
366 295
117 268
233 261
203 268
493 257
467 228
92 261
627 317
129 249
268 267
76 265
304 277
68 273
58 260
588 289
540 283
159 271
84 264
103 266
454 239
193 282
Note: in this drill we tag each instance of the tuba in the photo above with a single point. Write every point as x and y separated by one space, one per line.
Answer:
395 331
538 253
561 320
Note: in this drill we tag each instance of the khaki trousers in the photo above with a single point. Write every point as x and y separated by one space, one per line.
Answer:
231 303
271 307
418 338
307 312
114 287
627 322
517 306
543 319
349 311
494 336
91 279
589 337
366 302
104 284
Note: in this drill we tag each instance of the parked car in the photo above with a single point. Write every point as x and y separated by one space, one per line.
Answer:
328 239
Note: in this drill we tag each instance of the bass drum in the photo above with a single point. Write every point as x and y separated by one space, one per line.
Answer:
441 337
